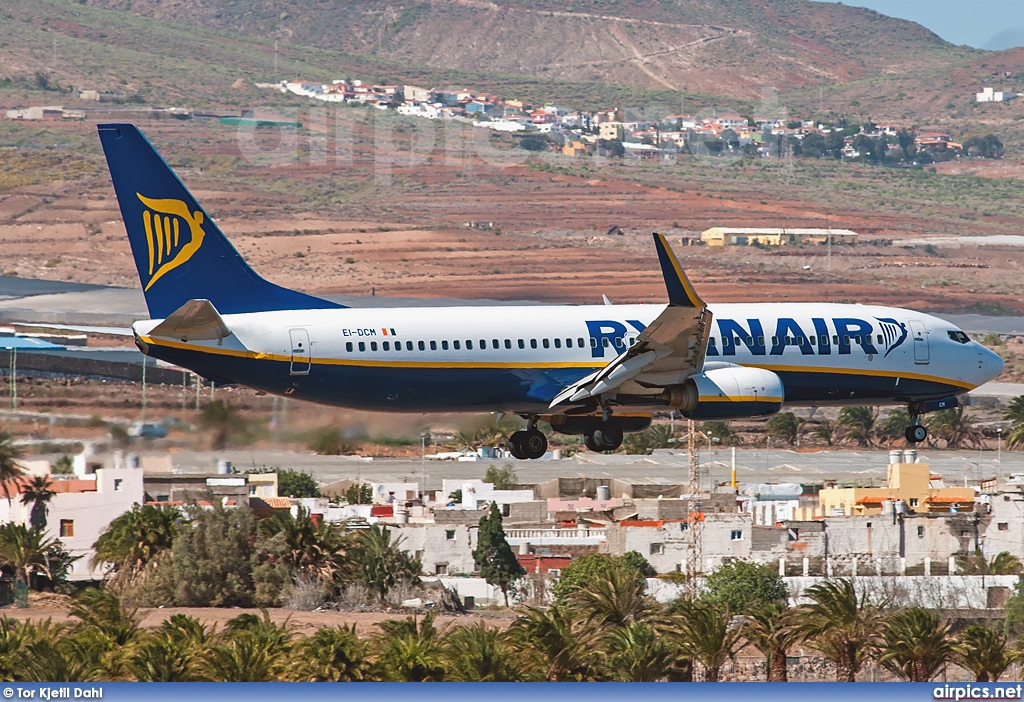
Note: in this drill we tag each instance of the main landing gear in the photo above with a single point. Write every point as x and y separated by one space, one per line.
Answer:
916 432
529 443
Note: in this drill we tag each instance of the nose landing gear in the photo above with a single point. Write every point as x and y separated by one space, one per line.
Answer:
916 432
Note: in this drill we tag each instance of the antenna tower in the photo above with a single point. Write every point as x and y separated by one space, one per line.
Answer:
695 521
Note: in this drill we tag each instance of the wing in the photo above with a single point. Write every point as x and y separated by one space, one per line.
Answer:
666 353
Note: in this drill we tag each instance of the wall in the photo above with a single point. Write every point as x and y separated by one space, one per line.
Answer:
431 545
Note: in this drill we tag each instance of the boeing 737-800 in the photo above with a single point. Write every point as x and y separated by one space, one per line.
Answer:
596 371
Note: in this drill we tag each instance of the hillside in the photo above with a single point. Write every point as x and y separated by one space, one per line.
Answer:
721 47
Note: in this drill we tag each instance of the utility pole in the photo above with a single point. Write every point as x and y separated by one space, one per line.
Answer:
695 520
143 418
275 62
14 377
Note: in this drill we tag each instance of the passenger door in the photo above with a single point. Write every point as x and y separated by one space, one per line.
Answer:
920 335
301 351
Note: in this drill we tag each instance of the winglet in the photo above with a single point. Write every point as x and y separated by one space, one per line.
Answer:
680 292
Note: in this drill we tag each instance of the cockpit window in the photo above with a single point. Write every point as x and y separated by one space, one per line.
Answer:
958 336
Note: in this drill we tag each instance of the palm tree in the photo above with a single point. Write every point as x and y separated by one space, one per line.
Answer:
895 426
783 426
224 421
333 654
134 538
103 610
857 424
637 652
1003 563
955 427
311 549
480 653
410 650
36 492
24 550
559 642
983 651
843 626
706 635
1014 412
10 471
379 562
172 653
825 431
251 649
916 644
613 601
769 629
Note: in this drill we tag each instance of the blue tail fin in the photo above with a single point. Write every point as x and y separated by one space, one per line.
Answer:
179 251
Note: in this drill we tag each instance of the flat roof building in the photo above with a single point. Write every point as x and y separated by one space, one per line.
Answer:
771 236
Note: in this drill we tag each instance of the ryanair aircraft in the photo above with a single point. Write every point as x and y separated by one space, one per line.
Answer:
595 371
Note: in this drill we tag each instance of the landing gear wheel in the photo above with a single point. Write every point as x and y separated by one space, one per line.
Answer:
916 433
606 436
529 444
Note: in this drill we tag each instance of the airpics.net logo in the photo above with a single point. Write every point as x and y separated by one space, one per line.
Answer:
977 692
169 243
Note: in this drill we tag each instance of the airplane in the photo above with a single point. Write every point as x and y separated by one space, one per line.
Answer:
599 371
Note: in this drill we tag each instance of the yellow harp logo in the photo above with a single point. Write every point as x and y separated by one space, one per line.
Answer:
169 244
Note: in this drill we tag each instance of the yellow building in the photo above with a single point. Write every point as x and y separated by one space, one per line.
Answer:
770 236
909 483
574 148
610 131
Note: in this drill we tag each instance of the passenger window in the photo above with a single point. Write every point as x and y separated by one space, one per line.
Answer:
618 342
545 343
606 342
398 346
362 345
444 345
835 339
880 339
824 340
522 344
558 343
433 345
469 344
760 341
846 340
348 346
593 343
386 346
725 341
568 343
711 341
750 341
373 345
456 345
533 343
408 346
423 347
508 343
494 343
775 341
579 342
737 341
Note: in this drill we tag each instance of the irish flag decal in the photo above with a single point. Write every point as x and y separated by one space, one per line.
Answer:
388 332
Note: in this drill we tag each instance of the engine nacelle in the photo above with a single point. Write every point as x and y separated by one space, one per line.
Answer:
733 392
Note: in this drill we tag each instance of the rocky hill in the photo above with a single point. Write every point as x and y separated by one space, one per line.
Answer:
719 47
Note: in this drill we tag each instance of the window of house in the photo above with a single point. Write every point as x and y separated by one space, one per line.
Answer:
362 345
506 510
118 484
373 345
348 346
67 527
868 525
657 549
913 502
422 346
444 345
1003 526
440 569
794 534
920 531
684 526
433 345
533 343
449 535
252 490
736 535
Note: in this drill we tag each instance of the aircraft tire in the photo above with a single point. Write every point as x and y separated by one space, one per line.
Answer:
517 445
591 443
916 433
609 435
534 444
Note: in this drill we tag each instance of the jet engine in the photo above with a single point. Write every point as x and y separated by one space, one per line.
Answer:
730 392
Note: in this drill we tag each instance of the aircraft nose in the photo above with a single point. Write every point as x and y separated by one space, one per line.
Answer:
993 364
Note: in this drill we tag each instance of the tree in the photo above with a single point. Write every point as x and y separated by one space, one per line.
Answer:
480 653
825 431
224 421
988 146
654 437
410 650
333 654
135 538
494 558
378 561
638 652
857 424
916 644
306 547
983 651
362 494
103 611
843 626
895 426
210 562
1014 412
783 426
1003 563
614 601
24 550
722 430
593 567
769 629
292 483
36 492
560 643
10 471
503 478
905 140
706 635
955 427
813 145
742 587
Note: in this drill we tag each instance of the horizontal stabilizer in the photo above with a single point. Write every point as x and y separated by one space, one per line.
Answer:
196 320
